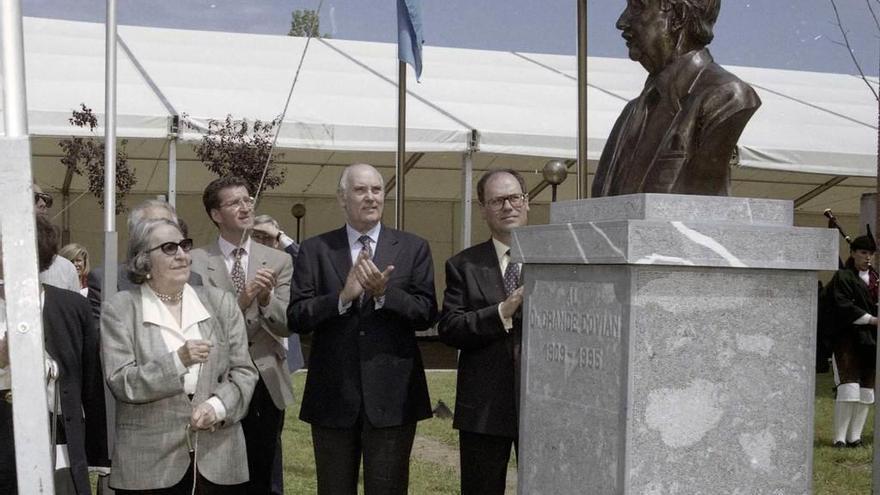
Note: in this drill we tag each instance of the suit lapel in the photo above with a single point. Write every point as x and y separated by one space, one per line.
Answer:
386 249
340 254
218 275
256 260
490 281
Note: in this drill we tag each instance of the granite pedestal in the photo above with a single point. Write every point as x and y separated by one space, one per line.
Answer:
668 347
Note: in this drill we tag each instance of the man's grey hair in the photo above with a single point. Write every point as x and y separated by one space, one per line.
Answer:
342 187
139 212
700 17
139 243
261 219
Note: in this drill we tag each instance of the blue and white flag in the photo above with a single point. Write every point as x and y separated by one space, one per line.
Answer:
409 34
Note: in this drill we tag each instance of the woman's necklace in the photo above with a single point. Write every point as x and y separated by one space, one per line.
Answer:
169 298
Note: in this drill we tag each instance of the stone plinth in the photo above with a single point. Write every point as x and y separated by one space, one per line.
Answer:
668 347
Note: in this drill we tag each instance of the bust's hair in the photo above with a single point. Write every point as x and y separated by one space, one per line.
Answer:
139 243
700 17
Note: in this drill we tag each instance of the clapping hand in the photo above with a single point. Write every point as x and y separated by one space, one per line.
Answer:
370 278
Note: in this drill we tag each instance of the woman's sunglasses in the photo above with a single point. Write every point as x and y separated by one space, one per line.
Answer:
170 248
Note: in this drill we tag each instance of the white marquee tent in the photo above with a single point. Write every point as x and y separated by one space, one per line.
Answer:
814 130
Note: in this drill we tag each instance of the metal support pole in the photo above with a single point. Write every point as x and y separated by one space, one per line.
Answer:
399 171
172 171
467 187
876 468
110 239
583 190
24 327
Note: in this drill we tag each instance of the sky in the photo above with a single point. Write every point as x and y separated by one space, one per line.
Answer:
785 34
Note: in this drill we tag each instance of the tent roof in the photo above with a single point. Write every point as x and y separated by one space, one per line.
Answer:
345 101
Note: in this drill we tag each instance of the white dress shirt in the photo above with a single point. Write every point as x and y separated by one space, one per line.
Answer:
501 250
175 335
227 248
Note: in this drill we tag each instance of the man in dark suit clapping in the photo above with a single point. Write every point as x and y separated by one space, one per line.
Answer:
481 316
363 290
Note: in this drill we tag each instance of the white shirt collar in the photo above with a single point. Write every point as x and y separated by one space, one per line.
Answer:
227 247
155 312
500 249
354 235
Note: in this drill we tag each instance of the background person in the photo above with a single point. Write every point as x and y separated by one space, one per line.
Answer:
481 316
853 294
176 360
71 340
61 273
259 277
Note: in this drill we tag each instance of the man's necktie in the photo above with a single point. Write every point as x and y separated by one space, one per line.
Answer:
238 277
365 241
511 276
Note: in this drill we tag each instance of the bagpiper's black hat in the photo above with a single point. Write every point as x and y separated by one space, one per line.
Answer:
865 242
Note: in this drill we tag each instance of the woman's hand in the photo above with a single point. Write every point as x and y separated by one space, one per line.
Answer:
203 417
194 352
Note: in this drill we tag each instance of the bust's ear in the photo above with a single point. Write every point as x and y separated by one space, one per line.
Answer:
678 17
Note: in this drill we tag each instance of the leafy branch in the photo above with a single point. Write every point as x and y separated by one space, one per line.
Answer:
237 147
85 156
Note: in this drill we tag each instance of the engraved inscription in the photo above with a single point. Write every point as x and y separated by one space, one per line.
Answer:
579 324
581 357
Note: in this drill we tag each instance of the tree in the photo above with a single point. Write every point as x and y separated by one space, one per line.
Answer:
235 147
306 23
85 156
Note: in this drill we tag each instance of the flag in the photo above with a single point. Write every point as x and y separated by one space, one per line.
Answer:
409 34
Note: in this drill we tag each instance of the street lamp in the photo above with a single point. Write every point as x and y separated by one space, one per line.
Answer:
555 173
298 211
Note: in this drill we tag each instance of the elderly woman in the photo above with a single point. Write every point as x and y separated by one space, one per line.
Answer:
176 359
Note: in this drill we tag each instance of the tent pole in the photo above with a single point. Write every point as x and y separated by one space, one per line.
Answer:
399 168
582 178
24 327
467 187
172 171
110 239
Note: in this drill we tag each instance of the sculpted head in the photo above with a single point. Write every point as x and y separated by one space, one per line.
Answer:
658 31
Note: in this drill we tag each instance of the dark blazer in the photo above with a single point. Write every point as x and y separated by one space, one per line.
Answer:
365 355
693 157
486 398
72 340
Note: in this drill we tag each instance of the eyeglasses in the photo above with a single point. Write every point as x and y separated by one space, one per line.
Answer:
516 200
260 236
47 198
170 248
240 203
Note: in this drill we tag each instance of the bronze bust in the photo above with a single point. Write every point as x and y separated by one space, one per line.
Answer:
678 136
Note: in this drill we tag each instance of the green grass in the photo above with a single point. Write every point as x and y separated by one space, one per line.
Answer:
838 471
835 471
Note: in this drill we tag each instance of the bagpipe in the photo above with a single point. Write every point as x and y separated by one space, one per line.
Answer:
834 224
